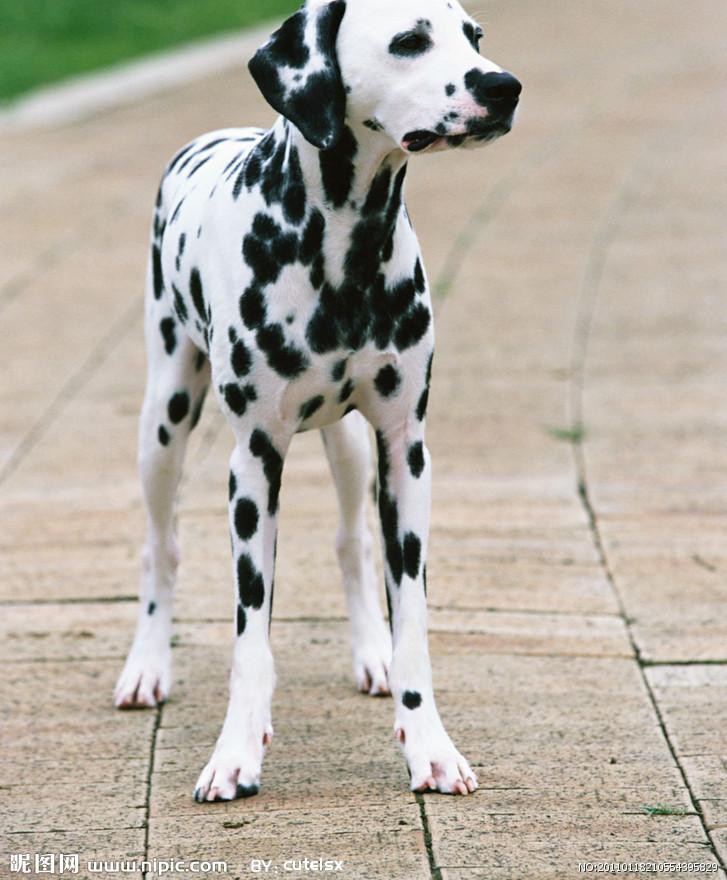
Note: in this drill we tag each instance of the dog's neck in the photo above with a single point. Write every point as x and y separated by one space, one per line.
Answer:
339 180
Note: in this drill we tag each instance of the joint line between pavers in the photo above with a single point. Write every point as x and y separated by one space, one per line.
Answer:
434 869
149 778
586 308
75 383
598 543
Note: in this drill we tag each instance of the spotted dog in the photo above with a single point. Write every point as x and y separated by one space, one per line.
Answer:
284 268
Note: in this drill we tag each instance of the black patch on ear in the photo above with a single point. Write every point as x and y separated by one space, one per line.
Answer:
318 105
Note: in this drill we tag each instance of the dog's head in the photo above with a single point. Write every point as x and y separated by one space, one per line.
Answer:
408 69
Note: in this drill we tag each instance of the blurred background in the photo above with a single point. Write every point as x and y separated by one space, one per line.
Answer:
577 425
43 41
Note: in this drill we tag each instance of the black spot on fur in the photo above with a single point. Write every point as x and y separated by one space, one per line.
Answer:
311 407
166 328
338 370
412 553
261 446
412 699
241 621
199 164
163 436
151 608
362 307
197 294
450 89
294 196
235 398
232 486
178 407
179 305
252 308
412 327
346 391
180 250
259 257
338 169
241 359
284 358
387 380
421 409
157 276
378 193
246 518
250 585
312 241
419 280
388 513
415 458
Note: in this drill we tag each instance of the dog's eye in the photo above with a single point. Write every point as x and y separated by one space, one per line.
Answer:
410 43
474 34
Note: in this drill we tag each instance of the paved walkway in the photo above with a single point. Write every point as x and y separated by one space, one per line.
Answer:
577 579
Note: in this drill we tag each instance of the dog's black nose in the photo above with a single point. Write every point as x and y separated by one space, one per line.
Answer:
488 89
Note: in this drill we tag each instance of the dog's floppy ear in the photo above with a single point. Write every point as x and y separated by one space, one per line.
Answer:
297 72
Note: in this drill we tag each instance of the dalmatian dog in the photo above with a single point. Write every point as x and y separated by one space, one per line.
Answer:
284 268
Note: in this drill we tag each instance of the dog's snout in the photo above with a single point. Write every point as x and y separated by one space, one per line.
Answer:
494 90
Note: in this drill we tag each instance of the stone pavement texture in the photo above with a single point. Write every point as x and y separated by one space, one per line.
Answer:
578 430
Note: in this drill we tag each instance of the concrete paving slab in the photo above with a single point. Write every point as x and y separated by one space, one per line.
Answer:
373 842
603 196
693 705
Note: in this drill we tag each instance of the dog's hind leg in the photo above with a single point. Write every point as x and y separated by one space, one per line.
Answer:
349 455
178 376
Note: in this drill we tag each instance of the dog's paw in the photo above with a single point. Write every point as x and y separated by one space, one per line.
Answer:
433 761
371 672
233 771
371 661
145 679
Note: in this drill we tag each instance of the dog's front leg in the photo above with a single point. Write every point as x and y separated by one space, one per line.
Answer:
234 769
404 504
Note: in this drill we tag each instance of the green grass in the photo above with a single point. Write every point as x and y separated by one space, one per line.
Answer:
42 41
575 434
660 810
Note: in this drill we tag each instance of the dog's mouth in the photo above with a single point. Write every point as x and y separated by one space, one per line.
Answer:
420 140
416 141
